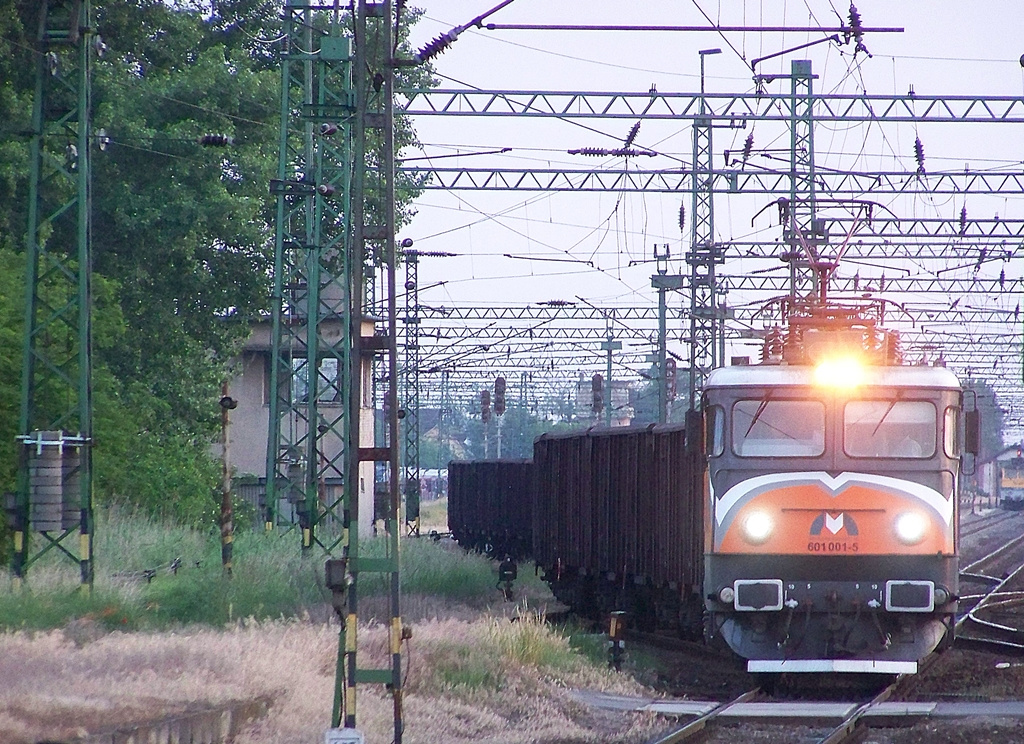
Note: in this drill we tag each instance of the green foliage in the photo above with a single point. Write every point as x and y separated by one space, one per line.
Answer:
270 578
182 234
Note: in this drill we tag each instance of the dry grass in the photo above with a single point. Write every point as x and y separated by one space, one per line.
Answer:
481 680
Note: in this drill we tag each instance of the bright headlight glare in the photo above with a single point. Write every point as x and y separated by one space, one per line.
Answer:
910 527
844 373
758 526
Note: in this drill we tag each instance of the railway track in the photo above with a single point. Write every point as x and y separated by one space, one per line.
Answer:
994 618
990 620
985 521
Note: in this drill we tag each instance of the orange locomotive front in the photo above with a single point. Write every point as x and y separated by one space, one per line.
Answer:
832 513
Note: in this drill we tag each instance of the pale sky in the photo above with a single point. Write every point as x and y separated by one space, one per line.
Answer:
946 49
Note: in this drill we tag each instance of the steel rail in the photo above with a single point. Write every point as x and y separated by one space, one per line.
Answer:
984 522
697 725
1002 549
853 725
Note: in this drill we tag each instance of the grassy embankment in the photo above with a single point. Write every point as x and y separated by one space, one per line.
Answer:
270 578
470 674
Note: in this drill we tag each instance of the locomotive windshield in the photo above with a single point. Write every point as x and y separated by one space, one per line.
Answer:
778 428
889 428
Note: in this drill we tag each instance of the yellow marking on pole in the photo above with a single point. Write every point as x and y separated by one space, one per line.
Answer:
268 526
228 539
350 703
84 543
19 541
350 633
306 535
344 538
396 635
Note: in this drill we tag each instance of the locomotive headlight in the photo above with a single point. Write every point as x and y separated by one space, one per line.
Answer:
758 526
844 373
910 527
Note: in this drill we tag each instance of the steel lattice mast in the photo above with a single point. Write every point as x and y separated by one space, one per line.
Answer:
54 497
310 361
411 396
373 242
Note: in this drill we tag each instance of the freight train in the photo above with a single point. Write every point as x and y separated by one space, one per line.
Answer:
806 515
1011 484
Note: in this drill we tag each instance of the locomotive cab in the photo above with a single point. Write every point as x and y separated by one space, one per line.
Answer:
831 535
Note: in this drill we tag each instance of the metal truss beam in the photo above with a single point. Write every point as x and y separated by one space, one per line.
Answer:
757 106
723 181
893 285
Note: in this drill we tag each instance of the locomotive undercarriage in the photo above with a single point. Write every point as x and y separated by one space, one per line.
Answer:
821 613
674 608
815 641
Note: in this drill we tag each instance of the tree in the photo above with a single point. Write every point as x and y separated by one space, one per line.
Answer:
182 233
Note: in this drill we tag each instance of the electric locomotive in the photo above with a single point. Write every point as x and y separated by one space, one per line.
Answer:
831 521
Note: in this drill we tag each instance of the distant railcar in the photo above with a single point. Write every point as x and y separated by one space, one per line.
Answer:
1011 484
490 506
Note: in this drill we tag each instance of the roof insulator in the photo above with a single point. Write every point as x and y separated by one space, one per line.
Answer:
748 146
435 47
919 154
856 31
632 135
963 220
682 217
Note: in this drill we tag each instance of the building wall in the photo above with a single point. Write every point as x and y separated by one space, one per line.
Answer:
250 422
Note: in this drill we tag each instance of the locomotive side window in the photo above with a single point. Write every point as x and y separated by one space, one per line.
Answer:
889 428
951 432
714 423
778 428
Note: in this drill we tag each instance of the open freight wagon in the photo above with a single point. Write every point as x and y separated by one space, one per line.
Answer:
618 522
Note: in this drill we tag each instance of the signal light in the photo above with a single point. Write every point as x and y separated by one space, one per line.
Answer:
670 378
485 405
499 395
216 140
597 389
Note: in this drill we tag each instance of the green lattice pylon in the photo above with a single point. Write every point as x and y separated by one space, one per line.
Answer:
310 361
54 496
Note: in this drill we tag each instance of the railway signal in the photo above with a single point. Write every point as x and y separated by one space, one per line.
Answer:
499 395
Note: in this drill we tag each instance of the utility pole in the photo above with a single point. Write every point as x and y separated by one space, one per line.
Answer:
227 527
609 345
411 380
411 407
704 254
802 231
373 238
663 282
54 491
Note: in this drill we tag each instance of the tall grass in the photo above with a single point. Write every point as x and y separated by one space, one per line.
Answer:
151 574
